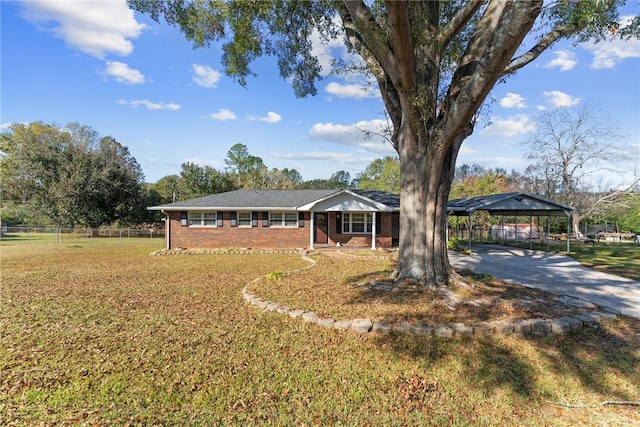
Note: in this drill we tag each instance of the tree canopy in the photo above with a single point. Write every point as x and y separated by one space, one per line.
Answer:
69 174
435 63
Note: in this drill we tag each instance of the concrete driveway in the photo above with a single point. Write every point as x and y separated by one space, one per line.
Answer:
555 273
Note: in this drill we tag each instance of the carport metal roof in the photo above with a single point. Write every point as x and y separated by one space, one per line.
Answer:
514 204
510 204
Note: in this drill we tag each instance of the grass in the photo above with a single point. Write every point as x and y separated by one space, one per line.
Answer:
623 260
97 334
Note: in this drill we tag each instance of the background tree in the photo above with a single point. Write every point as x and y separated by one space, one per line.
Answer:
169 189
381 174
284 178
198 181
570 148
434 62
341 179
69 175
248 170
476 180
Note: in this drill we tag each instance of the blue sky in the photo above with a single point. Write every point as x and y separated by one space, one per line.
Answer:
124 75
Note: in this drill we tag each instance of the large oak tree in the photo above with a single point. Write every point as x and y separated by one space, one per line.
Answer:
435 62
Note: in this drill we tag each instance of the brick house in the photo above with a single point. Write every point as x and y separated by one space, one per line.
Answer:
283 219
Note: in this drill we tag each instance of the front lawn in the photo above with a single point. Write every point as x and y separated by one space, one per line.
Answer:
99 334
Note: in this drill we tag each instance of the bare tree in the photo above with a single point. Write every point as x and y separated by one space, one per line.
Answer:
572 150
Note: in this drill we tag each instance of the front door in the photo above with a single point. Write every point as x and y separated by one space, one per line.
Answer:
321 231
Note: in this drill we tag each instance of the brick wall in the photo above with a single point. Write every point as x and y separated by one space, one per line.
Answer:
237 237
268 237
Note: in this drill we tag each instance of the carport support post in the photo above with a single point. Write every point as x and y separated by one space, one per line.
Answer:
548 237
470 232
568 232
530 231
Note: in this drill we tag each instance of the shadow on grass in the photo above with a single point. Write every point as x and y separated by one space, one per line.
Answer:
592 364
595 364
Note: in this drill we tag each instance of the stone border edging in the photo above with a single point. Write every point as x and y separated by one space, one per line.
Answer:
524 327
164 252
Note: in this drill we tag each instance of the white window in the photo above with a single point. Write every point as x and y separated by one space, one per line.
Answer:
244 219
202 219
357 223
283 219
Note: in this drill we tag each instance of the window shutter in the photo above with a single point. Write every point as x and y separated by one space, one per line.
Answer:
378 223
338 223
233 219
254 219
220 220
300 219
265 219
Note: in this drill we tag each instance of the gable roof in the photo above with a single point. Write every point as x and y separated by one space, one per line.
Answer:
516 203
250 199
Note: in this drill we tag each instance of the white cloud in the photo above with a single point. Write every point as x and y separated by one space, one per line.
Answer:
465 150
93 27
560 99
609 53
320 156
223 114
513 100
351 90
354 135
511 126
564 60
5 126
150 105
123 74
205 76
328 50
271 117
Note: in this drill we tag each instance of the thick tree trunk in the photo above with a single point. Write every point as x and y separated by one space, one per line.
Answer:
427 169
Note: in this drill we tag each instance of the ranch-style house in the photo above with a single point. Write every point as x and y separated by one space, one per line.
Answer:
314 219
283 219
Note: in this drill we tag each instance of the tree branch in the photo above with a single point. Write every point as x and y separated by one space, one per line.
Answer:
402 44
498 34
458 21
360 21
388 90
541 46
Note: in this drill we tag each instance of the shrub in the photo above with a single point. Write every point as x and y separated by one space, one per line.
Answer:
274 275
452 243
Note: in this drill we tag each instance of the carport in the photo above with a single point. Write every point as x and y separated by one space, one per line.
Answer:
511 205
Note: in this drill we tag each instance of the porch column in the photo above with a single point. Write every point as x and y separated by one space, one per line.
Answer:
312 227
373 230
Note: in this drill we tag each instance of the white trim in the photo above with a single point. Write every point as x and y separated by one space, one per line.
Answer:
373 230
225 208
365 222
202 219
244 225
373 204
283 220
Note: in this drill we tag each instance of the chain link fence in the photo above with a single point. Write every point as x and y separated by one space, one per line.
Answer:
67 235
